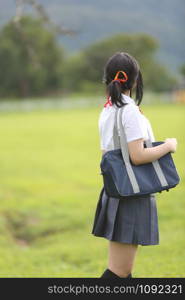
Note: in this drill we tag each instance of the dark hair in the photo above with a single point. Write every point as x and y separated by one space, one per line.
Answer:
122 61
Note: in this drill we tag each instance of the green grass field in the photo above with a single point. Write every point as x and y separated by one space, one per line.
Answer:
50 184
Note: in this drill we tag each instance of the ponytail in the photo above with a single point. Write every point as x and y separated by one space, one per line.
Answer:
115 87
114 91
139 88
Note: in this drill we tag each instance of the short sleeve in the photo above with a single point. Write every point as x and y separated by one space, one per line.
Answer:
133 123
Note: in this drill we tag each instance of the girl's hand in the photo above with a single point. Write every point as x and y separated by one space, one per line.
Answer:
172 144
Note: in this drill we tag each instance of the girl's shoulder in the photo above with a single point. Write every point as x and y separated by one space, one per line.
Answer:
130 108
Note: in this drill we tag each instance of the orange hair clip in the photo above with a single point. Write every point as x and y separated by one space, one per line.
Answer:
116 78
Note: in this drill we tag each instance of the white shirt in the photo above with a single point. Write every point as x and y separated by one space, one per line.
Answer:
134 122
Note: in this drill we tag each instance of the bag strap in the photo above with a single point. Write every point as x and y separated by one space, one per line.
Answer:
155 163
116 140
157 167
124 150
121 142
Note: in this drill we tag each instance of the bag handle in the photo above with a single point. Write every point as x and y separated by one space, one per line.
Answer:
121 142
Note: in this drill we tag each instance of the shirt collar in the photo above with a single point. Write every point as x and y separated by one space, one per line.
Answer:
127 99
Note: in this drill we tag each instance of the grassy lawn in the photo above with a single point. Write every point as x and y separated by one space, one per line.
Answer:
49 188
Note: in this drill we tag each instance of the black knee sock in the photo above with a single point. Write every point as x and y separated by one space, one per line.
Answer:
109 274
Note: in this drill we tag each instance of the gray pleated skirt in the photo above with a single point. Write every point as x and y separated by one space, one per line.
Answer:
127 220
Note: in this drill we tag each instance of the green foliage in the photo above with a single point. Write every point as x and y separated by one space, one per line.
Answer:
50 185
30 59
32 62
182 70
96 19
88 65
158 78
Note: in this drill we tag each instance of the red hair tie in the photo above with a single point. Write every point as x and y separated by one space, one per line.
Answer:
108 102
124 79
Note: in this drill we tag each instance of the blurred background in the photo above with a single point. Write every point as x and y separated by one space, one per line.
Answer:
52 55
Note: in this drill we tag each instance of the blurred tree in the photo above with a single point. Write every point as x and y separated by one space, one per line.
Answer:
88 64
30 61
182 70
42 15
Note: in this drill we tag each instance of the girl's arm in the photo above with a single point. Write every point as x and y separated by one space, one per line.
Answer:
140 155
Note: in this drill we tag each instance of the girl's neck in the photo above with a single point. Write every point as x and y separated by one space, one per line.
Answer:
127 92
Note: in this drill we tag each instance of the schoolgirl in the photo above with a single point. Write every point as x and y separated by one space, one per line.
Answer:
127 223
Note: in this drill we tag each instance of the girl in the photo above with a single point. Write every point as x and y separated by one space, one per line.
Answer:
127 223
